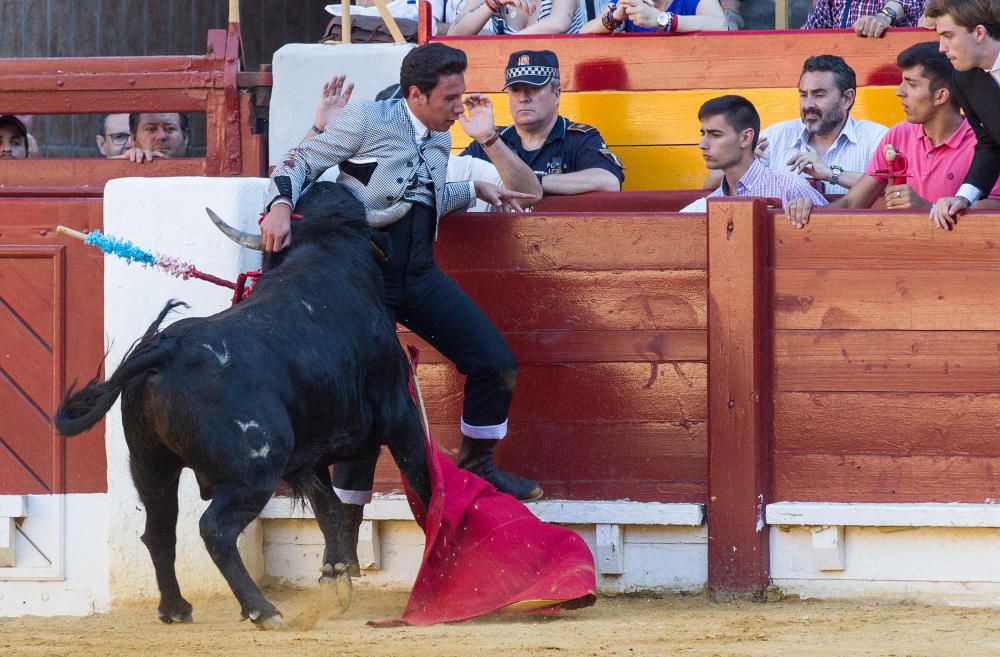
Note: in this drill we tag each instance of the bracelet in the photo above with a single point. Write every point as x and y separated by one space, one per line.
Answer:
608 20
316 130
890 13
493 5
492 140
674 20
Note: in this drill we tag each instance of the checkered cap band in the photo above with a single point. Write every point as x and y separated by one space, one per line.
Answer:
535 71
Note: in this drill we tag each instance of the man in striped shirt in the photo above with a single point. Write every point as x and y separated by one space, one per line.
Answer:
729 129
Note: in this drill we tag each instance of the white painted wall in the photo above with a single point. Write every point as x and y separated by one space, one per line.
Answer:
167 215
63 569
931 565
300 71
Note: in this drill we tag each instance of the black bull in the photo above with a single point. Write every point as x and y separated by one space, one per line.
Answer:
305 372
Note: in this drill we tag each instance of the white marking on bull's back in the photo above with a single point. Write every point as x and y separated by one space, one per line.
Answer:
308 307
260 453
245 426
223 357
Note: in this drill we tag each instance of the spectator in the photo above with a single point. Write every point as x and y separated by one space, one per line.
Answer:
518 17
969 32
516 174
13 138
445 12
868 18
156 135
28 120
935 142
827 143
567 158
663 16
729 129
113 137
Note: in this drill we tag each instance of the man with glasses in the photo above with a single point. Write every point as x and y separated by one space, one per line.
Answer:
113 137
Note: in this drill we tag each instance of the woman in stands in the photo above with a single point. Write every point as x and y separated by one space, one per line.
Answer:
661 16
519 17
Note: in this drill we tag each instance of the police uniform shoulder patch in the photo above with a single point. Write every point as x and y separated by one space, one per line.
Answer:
607 152
581 127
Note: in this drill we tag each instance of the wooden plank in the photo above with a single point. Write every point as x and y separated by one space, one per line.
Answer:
878 478
886 240
94 172
589 346
26 360
582 392
738 399
520 301
899 424
26 433
886 299
671 117
633 62
886 361
26 293
566 242
621 205
580 451
14 479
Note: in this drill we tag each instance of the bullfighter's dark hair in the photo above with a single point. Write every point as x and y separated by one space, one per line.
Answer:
133 122
738 112
936 67
424 65
843 75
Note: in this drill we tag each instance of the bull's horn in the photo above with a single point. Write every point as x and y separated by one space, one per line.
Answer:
392 214
243 239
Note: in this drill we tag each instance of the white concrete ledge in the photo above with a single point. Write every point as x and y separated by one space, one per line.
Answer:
883 515
394 507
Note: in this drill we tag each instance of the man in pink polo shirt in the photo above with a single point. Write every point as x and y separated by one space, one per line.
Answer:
934 145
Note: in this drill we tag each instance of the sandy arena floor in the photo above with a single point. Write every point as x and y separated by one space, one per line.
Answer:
630 625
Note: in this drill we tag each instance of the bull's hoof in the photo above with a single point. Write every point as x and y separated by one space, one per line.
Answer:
336 583
273 621
179 612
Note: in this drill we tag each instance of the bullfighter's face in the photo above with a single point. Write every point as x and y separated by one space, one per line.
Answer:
439 109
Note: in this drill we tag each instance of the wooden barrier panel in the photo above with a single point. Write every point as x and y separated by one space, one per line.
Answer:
606 313
886 358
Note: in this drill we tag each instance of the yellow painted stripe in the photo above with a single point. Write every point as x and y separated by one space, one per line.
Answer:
654 118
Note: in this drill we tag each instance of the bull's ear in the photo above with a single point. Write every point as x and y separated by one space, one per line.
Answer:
382 243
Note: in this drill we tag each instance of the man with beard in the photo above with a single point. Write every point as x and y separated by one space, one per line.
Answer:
827 144
156 135
936 143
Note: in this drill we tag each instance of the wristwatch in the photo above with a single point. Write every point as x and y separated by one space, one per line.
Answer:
663 21
836 174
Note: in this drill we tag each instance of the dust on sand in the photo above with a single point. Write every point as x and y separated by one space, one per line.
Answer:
623 625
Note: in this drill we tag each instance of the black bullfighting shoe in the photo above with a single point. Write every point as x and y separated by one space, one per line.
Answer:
477 458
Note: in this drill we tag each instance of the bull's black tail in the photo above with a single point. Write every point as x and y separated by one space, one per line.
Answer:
80 410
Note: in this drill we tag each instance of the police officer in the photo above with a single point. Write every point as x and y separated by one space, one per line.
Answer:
567 157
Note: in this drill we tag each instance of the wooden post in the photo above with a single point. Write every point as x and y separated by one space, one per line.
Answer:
739 399
389 21
781 14
345 21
